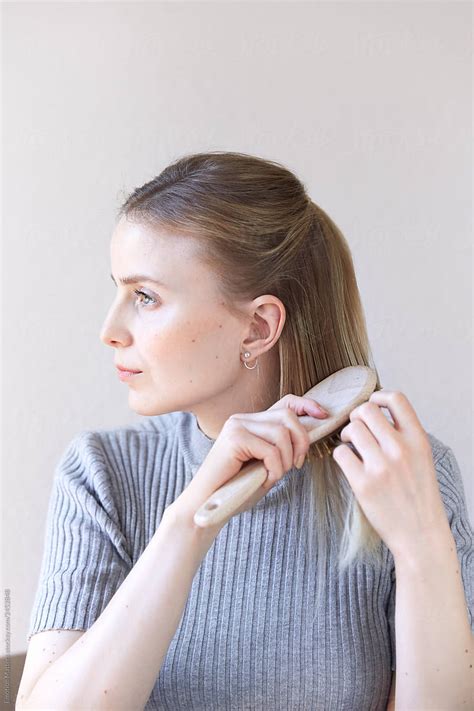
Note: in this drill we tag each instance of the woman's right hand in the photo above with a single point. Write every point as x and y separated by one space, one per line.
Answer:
275 436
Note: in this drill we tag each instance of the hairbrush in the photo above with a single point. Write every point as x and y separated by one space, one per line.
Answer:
338 394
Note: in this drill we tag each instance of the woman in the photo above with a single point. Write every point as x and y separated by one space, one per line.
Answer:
236 294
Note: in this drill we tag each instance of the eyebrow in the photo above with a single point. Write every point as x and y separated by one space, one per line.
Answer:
135 278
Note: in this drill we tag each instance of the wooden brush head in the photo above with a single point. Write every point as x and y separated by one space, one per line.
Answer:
339 394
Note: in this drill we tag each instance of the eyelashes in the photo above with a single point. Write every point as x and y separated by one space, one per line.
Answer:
142 293
149 299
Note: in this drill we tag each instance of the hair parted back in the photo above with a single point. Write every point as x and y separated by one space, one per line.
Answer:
262 234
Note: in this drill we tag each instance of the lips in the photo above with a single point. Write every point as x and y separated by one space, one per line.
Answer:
127 370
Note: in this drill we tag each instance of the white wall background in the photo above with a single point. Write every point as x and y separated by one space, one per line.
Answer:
368 102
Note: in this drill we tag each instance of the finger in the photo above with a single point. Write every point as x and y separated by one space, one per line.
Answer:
278 435
402 412
301 405
299 436
358 433
350 464
258 447
372 416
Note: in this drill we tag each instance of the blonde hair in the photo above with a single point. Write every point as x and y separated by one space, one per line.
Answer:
261 234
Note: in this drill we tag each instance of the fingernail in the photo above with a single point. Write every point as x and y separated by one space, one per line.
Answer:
323 412
300 461
320 408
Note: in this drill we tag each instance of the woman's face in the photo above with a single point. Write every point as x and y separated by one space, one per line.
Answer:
177 330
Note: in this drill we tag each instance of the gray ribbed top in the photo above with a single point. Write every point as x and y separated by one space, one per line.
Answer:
250 636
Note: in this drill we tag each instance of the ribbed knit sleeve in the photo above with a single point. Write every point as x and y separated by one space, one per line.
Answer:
85 557
454 499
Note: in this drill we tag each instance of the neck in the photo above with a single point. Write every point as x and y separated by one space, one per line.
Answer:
248 396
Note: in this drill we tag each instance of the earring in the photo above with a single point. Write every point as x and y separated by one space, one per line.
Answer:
247 355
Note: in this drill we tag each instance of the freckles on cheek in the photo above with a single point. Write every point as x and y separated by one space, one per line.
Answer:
208 339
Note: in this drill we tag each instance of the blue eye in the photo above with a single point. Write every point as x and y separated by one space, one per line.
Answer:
142 293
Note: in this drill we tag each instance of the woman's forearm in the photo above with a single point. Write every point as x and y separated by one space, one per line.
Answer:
115 663
434 643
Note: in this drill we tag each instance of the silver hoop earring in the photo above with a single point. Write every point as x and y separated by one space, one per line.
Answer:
247 355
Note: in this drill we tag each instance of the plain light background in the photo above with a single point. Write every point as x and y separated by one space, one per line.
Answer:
369 103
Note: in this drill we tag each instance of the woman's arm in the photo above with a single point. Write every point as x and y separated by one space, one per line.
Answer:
115 663
434 643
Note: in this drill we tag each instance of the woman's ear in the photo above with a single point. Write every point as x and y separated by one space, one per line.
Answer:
266 324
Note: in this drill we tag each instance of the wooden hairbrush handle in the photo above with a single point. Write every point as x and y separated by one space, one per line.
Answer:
338 394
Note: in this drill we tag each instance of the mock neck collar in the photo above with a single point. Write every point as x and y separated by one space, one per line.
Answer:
196 444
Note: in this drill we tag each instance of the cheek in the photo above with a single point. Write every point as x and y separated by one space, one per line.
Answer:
184 344
192 340
209 342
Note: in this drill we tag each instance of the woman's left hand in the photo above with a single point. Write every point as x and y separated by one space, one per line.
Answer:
395 483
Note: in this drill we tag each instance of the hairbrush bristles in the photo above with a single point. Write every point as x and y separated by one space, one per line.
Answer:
328 444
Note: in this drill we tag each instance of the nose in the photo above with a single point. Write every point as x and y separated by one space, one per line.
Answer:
112 333
106 336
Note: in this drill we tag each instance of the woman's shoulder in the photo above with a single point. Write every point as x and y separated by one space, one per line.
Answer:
438 448
101 454
155 435
156 429
116 465
450 482
444 460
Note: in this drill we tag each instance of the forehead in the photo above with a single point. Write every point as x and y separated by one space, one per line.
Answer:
168 256
136 240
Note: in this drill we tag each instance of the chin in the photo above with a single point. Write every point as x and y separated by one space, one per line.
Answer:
150 410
